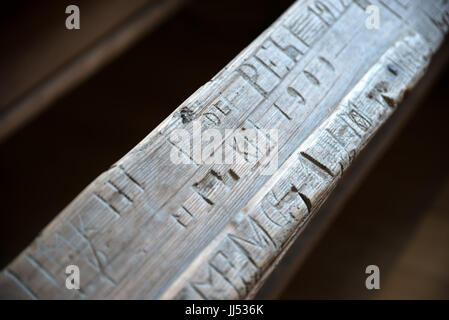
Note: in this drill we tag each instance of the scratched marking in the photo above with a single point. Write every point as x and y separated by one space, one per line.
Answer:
20 283
211 186
119 191
259 76
269 222
183 216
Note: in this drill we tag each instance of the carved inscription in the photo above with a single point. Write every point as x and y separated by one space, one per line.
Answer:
264 226
119 191
206 230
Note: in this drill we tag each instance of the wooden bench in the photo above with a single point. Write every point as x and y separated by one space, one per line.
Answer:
319 86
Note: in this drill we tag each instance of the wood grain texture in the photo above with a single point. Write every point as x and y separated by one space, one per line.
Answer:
148 228
355 176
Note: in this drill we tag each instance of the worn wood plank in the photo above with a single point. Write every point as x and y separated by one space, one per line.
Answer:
354 177
150 228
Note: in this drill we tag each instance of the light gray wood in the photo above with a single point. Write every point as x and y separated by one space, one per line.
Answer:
148 228
354 177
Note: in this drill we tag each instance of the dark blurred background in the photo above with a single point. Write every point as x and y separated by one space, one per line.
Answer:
398 219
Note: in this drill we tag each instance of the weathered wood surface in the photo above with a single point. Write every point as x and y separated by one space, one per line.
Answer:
149 228
354 177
